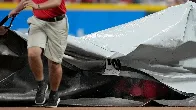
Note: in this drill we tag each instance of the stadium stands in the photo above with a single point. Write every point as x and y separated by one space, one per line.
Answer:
160 2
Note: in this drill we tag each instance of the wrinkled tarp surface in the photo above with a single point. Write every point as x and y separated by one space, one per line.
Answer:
159 48
161 45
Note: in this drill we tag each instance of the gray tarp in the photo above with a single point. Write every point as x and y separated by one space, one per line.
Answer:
161 45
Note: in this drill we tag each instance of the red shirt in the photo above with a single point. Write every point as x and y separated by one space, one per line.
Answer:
49 13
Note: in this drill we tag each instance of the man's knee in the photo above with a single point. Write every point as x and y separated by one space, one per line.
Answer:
54 64
34 52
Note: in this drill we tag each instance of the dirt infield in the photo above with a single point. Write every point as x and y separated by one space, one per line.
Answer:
100 108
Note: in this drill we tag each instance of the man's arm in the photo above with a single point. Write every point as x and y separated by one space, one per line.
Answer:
46 5
19 8
50 4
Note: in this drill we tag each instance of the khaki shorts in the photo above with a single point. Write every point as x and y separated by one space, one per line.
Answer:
51 36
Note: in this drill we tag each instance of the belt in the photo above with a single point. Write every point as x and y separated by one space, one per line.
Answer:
57 18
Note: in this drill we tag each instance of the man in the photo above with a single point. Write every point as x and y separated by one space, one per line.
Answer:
48 31
191 0
175 2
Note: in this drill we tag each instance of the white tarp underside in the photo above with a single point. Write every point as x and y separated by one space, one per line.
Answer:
161 44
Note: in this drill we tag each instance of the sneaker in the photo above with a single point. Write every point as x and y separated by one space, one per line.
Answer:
53 101
40 95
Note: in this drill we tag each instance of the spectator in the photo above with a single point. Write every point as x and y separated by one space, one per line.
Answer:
175 2
193 0
17 1
156 2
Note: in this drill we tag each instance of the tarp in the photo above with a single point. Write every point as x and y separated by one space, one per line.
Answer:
159 48
161 45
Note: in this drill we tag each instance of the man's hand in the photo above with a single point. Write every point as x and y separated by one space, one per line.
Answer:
13 13
16 11
30 3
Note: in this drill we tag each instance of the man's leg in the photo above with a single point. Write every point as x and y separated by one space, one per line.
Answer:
55 72
35 62
55 47
36 42
36 65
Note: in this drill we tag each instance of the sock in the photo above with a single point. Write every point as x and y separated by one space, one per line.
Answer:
53 92
40 83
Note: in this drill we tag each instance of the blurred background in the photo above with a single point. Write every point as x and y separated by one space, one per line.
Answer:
159 2
88 16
